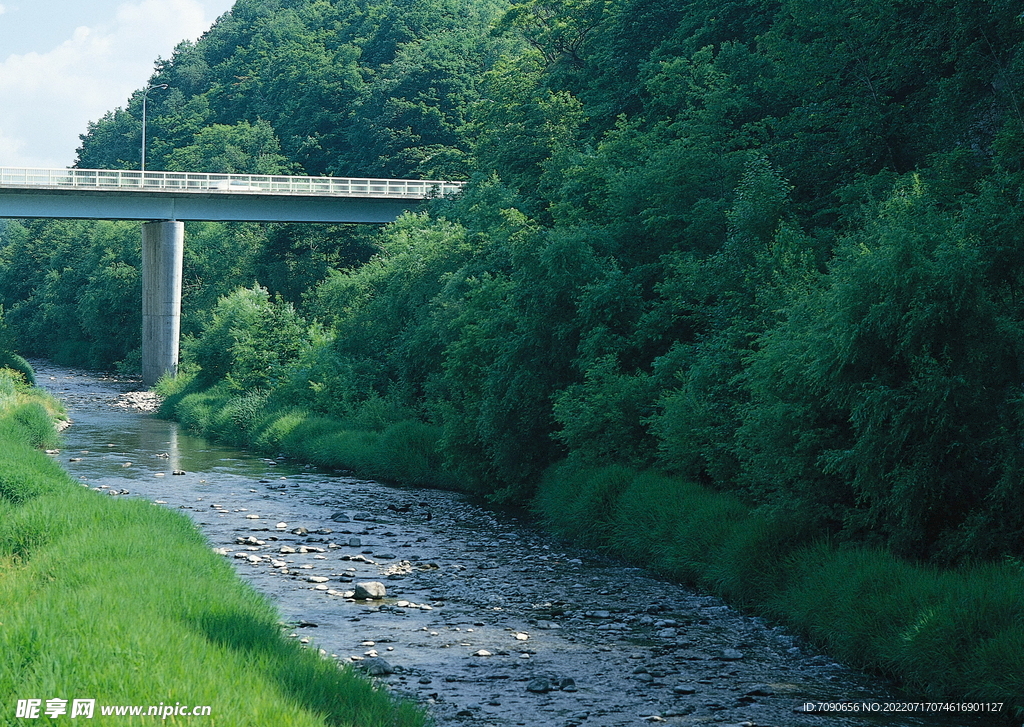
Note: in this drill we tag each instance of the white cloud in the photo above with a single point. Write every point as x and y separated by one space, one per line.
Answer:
49 97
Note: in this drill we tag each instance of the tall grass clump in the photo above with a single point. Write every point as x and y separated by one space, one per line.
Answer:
123 601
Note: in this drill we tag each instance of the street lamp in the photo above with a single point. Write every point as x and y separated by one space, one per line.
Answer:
144 95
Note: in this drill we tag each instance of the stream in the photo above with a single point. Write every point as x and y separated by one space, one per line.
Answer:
486 619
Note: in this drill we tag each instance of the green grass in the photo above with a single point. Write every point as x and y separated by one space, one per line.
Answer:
123 601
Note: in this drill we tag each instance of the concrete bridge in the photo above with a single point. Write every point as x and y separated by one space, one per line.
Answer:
165 200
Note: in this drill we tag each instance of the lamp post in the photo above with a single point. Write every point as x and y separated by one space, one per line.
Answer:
144 95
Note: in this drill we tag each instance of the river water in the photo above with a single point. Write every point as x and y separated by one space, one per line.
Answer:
486 619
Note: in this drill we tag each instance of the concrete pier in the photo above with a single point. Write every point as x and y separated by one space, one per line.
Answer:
163 246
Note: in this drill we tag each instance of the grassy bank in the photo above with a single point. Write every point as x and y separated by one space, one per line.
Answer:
123 602
943 634
403 451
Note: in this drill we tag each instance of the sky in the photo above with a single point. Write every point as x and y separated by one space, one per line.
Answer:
64 63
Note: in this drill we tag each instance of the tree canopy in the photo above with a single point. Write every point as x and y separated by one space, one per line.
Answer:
770 245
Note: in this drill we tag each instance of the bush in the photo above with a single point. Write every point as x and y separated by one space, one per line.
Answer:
11 360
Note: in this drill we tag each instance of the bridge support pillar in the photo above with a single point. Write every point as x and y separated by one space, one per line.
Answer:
163 248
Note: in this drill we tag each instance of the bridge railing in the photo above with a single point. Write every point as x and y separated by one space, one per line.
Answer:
122 179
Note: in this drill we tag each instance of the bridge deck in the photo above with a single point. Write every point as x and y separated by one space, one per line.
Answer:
129 180
116 194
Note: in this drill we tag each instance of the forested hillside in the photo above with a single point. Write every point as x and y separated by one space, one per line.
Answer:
771 249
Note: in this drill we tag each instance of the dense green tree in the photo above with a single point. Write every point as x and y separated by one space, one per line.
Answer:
240 149
773 245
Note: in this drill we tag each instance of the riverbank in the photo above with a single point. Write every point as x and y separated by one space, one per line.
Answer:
111 603
952 636
573 637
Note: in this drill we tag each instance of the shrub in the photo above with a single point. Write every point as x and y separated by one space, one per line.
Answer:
11 360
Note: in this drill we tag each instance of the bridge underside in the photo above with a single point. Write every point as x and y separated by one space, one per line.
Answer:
163 237
84 204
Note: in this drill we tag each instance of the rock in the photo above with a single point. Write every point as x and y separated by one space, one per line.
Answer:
252 517
178 472
362 516
482 652
367 590
340 517
669 633
317 579
385 556
287 549
300 531
355 542
731 655
539 686
684 689
519 636
567 684
376 666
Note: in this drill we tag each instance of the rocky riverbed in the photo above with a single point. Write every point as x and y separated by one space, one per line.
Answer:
476 614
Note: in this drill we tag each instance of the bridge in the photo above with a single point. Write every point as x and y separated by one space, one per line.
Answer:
165 200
